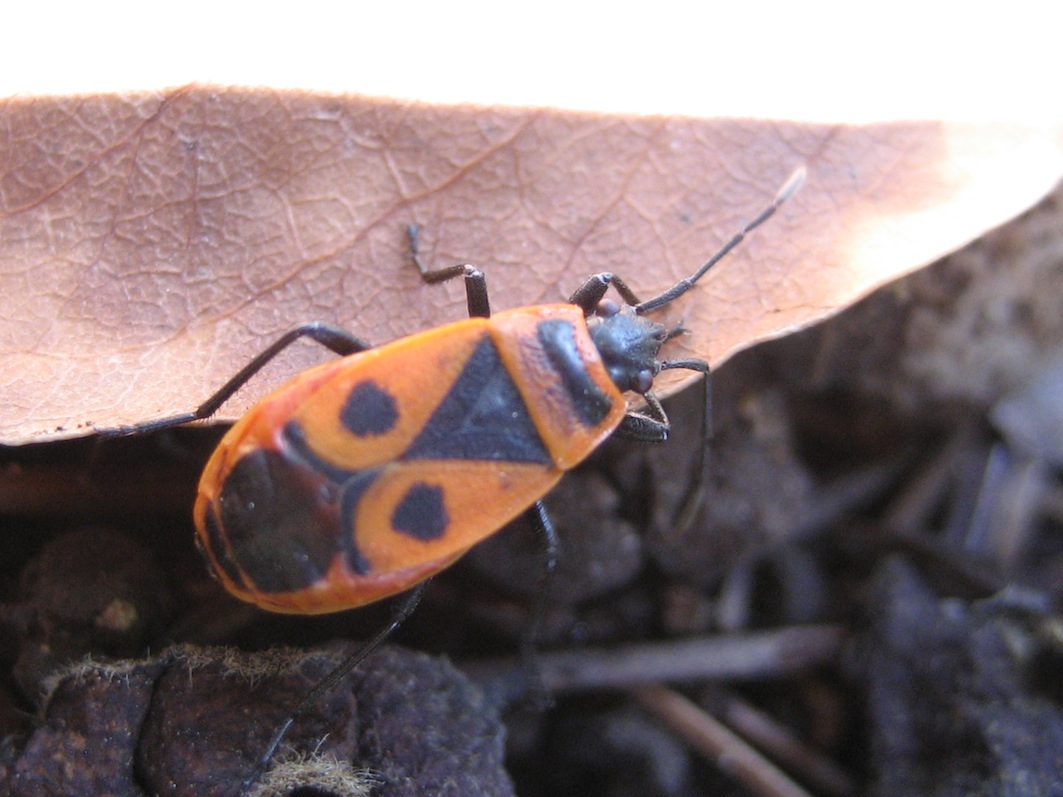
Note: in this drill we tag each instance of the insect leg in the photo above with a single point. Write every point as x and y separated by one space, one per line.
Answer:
651 426
591 292
402 610
540 520
532 680
332 338
694 492
475 282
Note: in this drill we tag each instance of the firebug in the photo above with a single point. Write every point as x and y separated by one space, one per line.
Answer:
362 477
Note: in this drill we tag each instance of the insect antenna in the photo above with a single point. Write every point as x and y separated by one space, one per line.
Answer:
789 188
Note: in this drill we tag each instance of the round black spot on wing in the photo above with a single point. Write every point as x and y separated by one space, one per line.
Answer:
421 513
370 410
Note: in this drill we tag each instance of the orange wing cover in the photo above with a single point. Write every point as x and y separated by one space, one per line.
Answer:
365 475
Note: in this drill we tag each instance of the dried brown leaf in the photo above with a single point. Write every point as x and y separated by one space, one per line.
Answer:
151 244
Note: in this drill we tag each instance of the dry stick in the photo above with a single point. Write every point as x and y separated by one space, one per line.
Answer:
910 513
780 743
1052 505
716 742
731 656
847 495
727 656
910 510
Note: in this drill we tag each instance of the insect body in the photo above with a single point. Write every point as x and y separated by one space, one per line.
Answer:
363 476
366 475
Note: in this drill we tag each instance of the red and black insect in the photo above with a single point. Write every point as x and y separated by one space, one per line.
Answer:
362 477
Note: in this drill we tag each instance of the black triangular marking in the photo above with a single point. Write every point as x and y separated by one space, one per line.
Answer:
483 417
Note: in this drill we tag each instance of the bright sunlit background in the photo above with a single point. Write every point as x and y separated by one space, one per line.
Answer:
822 61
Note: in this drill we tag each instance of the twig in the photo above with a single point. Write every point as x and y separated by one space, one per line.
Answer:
780 743
713 740
731 656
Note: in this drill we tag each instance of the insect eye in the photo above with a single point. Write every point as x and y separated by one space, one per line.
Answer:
643 381
607 308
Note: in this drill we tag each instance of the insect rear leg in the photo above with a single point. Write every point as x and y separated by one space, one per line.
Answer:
332 338
475 282
403 609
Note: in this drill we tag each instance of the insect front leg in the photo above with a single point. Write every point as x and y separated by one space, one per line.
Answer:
694 492
475 282
652 426
590 293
